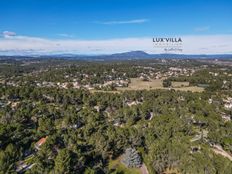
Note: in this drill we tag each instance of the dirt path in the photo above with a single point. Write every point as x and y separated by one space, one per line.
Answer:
143 169
218 150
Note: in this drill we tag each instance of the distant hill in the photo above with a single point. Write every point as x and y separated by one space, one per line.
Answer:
131 54
124 56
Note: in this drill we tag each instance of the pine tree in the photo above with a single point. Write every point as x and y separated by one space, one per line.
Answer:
63 161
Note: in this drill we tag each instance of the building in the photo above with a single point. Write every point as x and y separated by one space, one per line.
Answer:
39 143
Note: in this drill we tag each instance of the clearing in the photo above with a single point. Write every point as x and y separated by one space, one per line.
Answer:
138 84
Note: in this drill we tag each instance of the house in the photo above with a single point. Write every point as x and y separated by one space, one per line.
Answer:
228 103
97 108
210 101
76 85
131 103
89 87
225 117
39 143
21 167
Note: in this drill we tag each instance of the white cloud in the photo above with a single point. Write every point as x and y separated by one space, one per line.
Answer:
202 29
65 35
192 44
133 21
208 44
7 34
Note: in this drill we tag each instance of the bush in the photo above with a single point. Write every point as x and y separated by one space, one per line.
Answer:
167 83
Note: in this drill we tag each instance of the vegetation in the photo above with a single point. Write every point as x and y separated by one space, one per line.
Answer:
116 166
47 128
131 158
167 83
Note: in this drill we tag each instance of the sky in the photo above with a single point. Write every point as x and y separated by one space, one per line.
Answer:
110 26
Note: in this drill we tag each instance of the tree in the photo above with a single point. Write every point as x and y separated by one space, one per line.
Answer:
89 171
63 161
46 125
7 159
131 158
167 83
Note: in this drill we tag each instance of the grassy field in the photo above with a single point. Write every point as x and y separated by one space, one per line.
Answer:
180 84
120 168
138 84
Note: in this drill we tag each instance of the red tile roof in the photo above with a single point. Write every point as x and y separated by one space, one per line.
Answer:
41 141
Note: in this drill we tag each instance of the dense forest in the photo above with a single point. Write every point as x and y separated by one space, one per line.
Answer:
48 129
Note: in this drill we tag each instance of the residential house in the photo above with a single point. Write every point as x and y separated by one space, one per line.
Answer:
39 143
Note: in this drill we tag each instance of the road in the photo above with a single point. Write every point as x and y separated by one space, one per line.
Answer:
143 169
218 150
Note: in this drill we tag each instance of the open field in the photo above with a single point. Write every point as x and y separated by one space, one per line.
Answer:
190 88
180 84
138 84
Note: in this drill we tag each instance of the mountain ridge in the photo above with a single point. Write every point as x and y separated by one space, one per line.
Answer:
124 56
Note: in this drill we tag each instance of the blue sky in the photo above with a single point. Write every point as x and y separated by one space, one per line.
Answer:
113 19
